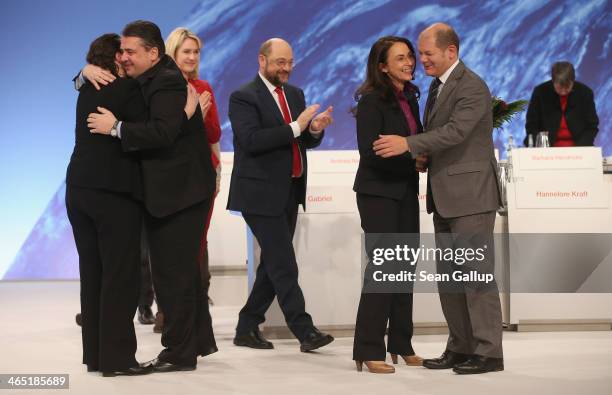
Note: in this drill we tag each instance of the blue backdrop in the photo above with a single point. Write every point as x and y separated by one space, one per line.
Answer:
511 44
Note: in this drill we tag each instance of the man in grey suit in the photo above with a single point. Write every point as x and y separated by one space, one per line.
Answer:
462 193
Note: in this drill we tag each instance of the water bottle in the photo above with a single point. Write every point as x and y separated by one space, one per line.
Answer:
509 149
542 141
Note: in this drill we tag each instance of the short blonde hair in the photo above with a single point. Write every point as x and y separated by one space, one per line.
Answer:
174 42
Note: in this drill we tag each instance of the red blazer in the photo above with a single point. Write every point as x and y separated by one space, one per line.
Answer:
211 121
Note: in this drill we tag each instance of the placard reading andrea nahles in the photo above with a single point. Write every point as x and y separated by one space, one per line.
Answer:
390 263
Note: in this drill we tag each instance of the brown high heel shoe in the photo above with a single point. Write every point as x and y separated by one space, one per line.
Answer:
411 360
375 366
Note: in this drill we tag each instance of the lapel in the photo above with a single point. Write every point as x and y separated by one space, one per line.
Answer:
426 114
267 99
291 101
398 110
571 100
447 89
414 108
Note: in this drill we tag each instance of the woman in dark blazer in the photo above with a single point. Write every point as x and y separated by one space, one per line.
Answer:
387 195
103 189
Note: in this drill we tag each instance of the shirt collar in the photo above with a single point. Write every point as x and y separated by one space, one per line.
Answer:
269 85
448 72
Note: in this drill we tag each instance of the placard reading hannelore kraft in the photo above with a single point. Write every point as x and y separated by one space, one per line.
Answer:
558 178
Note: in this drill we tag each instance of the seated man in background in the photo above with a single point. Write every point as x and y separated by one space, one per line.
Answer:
563 107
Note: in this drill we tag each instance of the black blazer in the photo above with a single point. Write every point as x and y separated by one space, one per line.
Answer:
387 177
175 155
261 177
98 161
544 113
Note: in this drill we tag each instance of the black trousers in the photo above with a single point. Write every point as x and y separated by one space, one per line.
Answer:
277 273
106 228
384 215
147 294
174 243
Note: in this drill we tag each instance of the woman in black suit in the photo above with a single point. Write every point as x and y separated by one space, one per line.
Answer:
103 189
387 195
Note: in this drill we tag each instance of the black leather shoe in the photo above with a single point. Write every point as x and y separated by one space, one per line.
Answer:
253 339
138 370
165 367
479 364
447 360
79 320
315 339
145 315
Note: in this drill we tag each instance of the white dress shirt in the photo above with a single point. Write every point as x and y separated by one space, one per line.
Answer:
295 127
444 77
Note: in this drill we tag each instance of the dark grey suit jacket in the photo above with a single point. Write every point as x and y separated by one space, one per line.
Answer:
462 170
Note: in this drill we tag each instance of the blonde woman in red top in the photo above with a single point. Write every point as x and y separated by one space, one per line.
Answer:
184 47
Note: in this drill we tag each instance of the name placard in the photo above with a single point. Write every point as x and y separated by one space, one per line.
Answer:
558 178
566 158
330 199
333 161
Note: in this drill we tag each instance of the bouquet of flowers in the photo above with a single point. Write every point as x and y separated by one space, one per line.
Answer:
504 112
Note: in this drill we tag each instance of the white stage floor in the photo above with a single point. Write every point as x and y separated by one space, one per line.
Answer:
38 336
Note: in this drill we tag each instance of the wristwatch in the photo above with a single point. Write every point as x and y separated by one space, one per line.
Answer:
113 131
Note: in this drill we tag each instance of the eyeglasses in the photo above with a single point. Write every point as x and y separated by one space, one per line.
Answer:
282 62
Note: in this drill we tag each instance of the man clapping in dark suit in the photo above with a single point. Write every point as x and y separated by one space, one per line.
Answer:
272 129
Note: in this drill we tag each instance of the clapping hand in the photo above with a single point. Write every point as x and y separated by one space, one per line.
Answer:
192 101
205 100
322 120
306 116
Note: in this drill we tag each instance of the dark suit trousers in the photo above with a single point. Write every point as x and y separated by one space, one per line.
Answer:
174 244
473 313
277 273
385 215
106 229
147 294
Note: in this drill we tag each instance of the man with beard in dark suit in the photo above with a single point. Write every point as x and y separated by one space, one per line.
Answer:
272 129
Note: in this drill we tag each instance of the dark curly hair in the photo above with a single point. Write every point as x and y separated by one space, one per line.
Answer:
102 52
376 80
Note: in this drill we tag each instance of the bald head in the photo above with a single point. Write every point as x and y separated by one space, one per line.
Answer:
443 34
272 44
276 60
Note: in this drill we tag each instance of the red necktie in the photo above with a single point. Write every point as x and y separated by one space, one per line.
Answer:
296 166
